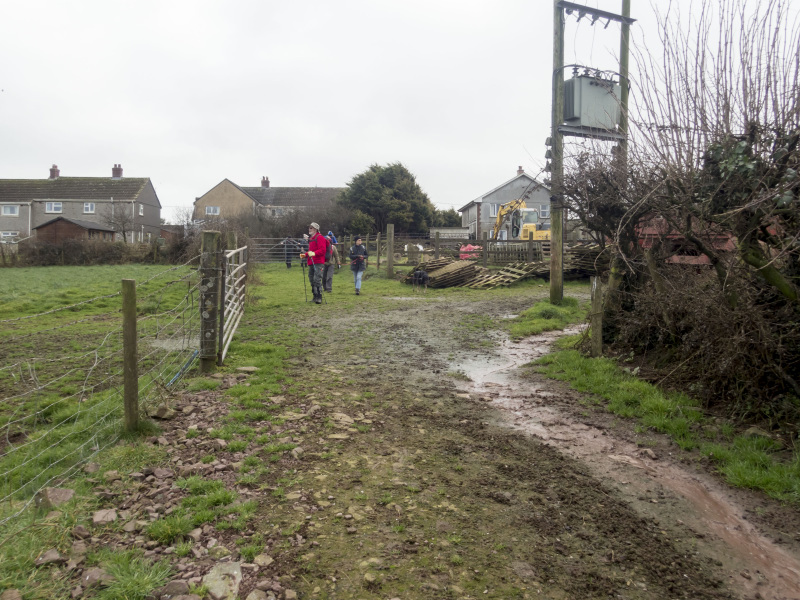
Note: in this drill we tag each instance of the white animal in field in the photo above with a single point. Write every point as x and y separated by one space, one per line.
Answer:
418 247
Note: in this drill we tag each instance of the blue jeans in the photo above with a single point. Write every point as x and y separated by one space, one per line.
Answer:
357 275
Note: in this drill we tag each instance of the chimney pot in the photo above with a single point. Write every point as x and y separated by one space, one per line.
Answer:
520 170
54 172
116 171
265 182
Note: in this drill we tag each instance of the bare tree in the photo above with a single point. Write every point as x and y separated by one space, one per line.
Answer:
120 217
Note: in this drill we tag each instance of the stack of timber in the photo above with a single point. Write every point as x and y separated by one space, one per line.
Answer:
580 260
506 276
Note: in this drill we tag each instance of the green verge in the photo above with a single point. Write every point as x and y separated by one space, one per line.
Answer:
744 461
544 316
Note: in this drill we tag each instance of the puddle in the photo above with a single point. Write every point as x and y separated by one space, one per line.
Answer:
703 505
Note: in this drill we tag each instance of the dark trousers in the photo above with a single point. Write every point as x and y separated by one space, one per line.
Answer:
327 277
315 278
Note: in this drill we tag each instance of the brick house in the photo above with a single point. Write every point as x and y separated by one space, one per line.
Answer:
117 203
226 199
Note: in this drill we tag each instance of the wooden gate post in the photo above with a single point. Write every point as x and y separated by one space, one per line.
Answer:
378 250
597 317
130 355
485 249
210 266
436 247
390 250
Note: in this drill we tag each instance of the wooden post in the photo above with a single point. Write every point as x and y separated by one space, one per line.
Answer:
485 249
557 165
530 246
390 250
209 299
436 247
597 317
378 250
130 355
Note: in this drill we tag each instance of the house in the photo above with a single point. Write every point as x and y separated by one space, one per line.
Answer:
127 206
480 214
226 199
61 229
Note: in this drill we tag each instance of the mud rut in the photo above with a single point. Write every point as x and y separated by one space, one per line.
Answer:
420 341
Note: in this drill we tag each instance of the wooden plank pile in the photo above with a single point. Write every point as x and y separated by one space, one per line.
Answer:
580 260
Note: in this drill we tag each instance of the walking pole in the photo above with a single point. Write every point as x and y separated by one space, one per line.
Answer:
303 271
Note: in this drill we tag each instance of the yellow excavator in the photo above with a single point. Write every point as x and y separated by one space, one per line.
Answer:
523 220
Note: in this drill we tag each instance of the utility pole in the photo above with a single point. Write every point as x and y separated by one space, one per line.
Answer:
557 165
559 130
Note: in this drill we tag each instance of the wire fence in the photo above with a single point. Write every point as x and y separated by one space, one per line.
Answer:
61 378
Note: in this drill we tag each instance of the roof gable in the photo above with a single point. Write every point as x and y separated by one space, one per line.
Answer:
72 188
524 176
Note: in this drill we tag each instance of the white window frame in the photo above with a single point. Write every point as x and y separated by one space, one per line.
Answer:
212 211
141 210
544 211
88 208
50 207
10 210
493 208
5 235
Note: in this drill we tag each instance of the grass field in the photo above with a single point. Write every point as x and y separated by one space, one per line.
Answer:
61 361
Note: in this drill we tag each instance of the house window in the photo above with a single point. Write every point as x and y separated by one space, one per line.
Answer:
88 208
493 210
141 210
52 207
212 210
10 211
544 211
7 236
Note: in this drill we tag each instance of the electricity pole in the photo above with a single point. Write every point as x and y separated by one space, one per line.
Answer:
559 130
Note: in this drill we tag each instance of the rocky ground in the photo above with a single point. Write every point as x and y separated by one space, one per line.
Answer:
380 471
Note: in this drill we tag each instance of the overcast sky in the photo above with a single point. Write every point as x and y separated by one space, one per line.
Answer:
307 93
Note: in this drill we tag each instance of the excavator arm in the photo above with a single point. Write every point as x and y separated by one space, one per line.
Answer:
504 212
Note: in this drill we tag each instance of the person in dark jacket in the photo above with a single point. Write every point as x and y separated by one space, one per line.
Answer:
358 262
330 267
290 248
317 245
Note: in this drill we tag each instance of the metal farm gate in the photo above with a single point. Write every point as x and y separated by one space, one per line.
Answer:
274 250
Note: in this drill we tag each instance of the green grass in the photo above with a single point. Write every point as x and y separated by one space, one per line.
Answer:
169 529
744 461
627 396
134 577
544 316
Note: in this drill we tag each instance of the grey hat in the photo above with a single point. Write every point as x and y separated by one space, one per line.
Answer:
315 226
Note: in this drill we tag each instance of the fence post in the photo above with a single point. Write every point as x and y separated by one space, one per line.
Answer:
485 249
209 300
597 317
436 246
530 246
378 250
130 355
390 250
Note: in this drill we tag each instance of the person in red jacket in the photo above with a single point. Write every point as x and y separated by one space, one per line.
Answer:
317 245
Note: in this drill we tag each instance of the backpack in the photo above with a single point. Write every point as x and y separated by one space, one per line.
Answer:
327 249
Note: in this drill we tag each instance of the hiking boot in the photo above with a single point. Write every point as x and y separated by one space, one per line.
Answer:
358 292
318 300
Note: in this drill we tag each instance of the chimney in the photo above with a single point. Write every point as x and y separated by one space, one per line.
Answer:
265 182
54 172
520 170
116 172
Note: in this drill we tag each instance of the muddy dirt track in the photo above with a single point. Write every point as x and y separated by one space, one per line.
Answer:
512 485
